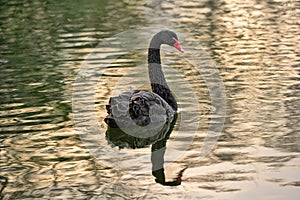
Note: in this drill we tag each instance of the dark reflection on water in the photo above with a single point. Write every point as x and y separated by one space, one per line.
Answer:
117 137
255 46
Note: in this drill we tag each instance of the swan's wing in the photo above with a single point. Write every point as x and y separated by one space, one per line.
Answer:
137 107
118 108
147 107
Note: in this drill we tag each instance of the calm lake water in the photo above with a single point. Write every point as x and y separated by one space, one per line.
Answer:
46 151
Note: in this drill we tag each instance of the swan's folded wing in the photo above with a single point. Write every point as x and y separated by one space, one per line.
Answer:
137 107
118 110
147 107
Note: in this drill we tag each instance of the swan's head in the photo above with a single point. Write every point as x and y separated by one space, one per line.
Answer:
170 38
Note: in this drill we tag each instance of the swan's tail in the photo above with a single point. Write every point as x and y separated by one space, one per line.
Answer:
109 119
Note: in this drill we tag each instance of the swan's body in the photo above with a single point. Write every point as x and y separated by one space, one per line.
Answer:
145 107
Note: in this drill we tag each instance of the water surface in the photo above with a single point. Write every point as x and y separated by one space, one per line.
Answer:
255 46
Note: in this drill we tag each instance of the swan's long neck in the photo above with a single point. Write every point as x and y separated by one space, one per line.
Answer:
157 79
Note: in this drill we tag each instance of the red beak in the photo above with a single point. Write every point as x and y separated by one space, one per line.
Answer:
177 46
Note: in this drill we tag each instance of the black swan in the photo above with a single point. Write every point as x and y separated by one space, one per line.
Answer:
141 111
139 102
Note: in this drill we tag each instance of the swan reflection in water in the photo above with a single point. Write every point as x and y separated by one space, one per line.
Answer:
139 118
117 137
